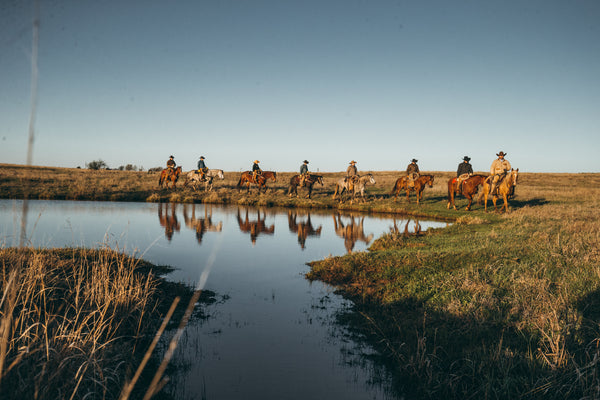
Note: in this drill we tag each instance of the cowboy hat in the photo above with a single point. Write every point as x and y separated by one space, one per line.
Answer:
352 162
414 160
501 154
256 161
467 158
202 157
305 161
171 157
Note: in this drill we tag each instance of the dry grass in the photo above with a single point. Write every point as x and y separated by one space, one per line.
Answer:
70 321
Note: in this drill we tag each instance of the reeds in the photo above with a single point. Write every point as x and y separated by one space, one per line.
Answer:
69 321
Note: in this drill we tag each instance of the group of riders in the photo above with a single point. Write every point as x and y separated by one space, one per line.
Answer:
498 170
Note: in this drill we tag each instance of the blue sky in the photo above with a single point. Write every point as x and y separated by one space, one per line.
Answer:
380 82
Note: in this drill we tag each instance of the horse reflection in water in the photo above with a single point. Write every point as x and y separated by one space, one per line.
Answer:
167 218
351 232
254 227
406 231
200 225
303 229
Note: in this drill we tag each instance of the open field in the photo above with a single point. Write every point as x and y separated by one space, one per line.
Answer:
495 306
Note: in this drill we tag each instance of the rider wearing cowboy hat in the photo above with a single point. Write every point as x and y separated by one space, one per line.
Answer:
498 170
256 169
412 172
464 171
303 172
171 165
351 175
202 169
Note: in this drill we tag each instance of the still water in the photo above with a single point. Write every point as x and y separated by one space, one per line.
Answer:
271 334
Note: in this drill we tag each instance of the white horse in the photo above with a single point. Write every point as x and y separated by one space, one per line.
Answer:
343 185
194 177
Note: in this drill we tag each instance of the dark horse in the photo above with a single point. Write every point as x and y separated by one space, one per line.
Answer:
420 183
470 187
308 183
166 176
261 180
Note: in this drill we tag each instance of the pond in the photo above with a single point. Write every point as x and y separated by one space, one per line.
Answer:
271 334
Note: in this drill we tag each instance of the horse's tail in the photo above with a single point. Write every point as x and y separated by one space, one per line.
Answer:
240 181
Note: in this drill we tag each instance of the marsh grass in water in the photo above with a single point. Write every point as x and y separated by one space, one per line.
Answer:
74 323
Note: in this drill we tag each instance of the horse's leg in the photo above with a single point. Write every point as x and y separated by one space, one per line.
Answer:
469 196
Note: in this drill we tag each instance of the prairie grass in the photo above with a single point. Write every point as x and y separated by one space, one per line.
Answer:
495 306
73 322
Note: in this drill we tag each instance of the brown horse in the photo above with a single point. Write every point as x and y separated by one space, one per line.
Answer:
308 183
505 188
470 187
166 176
420 183
247 178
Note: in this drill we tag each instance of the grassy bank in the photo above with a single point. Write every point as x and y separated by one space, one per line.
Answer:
500 307
75 323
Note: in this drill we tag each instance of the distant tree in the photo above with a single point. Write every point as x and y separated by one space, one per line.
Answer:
130 167
96 164
121 168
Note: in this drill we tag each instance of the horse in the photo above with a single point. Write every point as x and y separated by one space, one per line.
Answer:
166 176
470 187
346 184
247 177
506 188
308 182
420 183
193 177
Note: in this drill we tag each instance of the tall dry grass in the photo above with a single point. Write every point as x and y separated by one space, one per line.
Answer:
70 321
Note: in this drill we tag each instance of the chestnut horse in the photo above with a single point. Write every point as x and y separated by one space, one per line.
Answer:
470 187
420 183
505 188
166 176
308 183
247 178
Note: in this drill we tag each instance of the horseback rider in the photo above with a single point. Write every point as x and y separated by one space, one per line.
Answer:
256 170
498 170
304 174
171 165
351 175
464 171
412 172
202 169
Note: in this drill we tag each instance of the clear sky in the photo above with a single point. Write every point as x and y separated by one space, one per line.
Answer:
377 81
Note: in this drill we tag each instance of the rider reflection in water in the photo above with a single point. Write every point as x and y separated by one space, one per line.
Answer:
168 220
255 228
351 232
303 229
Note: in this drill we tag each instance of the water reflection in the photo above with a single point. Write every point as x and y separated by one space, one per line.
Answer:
254 227
200 225
351 231
167 217
416 231
303 228
275 336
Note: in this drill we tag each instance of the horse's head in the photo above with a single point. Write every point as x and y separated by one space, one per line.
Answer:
319 179
514 175
430 181
371 179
